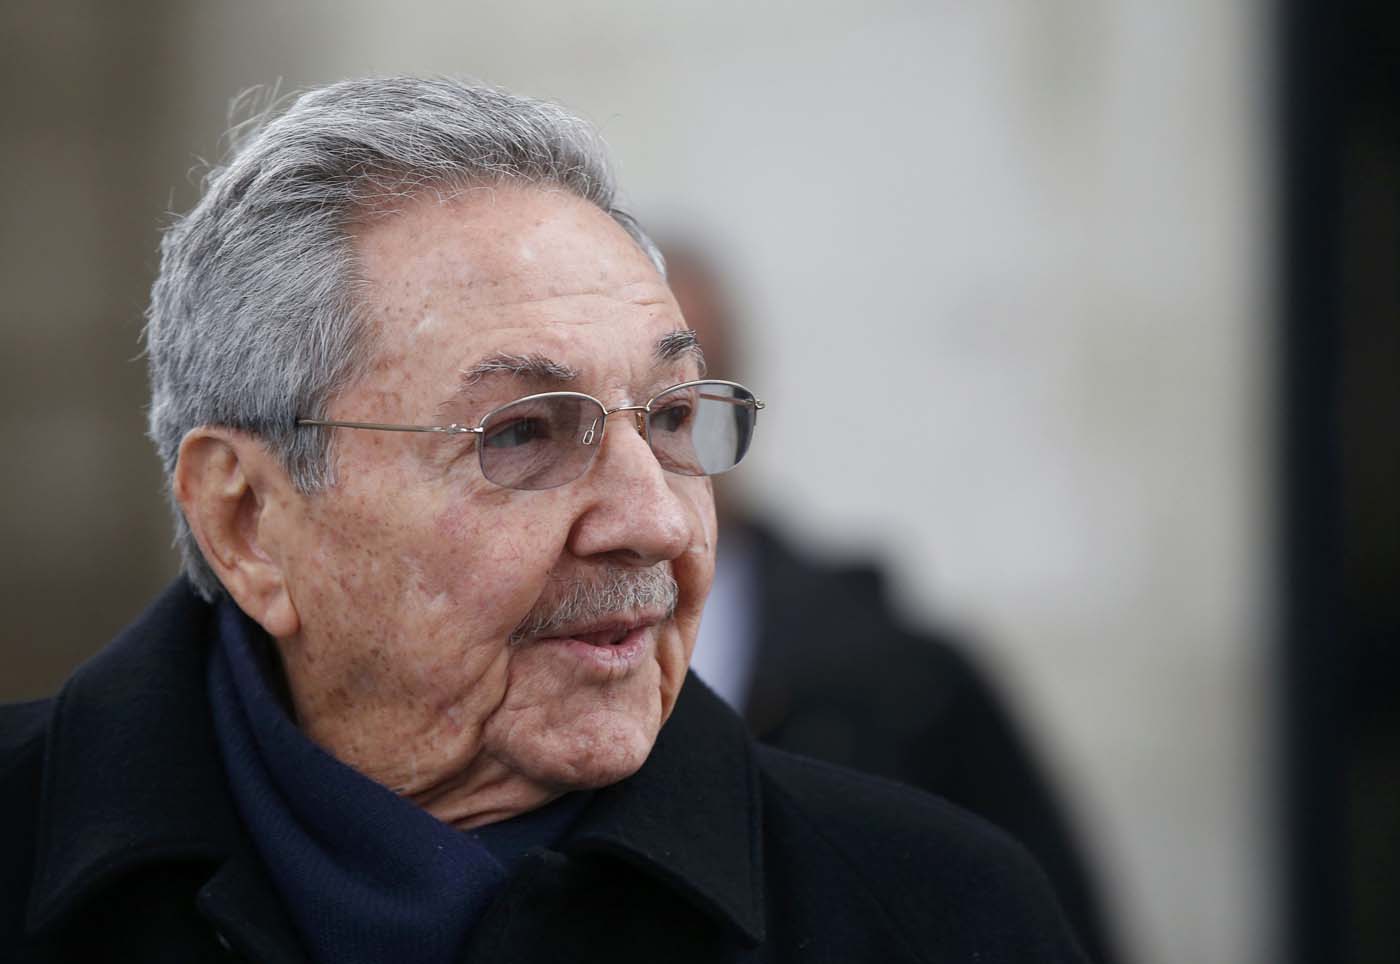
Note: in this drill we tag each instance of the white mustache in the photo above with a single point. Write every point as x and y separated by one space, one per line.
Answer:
613 592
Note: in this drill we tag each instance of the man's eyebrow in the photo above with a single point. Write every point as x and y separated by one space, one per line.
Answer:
538 367
674 344
534 366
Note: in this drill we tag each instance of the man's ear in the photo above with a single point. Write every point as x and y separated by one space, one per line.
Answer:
233 493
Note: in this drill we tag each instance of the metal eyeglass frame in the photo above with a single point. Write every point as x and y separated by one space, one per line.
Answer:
479 428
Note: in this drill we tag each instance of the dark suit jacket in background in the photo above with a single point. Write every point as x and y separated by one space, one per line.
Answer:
838 676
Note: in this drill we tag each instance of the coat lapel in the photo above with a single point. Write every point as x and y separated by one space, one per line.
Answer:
691 815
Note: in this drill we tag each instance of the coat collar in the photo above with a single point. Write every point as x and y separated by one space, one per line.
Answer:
133 777
691 814
131 773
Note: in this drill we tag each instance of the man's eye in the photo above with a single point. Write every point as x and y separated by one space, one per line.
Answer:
672 418
516 432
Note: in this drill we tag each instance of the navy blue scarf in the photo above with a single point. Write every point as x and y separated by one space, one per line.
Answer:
366 874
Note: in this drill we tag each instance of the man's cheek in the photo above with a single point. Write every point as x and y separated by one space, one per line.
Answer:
706 526
496 588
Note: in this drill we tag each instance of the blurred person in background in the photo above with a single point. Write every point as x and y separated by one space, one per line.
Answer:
816 660
418 694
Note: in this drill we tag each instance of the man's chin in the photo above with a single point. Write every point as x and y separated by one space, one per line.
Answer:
599 750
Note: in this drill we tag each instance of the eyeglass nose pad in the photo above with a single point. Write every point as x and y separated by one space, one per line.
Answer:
592 433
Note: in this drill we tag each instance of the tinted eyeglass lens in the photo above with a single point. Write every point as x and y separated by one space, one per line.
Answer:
701 429
540 443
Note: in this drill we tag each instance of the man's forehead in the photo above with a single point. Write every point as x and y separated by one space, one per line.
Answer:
503 244
477 283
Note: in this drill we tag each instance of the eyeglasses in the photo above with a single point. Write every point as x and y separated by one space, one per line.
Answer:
544 441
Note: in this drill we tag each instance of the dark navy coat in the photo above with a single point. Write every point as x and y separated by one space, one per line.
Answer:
119 841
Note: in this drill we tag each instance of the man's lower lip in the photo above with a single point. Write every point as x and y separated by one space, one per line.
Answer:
612 657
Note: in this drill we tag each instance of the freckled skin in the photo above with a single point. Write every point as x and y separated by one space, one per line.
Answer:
408 576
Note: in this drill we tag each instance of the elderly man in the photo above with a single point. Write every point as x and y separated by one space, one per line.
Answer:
438 440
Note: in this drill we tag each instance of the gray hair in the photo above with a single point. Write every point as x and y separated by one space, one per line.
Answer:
254 320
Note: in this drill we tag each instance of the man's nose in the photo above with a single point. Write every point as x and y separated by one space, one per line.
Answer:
632 512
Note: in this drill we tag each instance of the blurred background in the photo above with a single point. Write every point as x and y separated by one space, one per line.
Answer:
1081 315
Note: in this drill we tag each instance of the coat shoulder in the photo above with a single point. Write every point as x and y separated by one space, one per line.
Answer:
941 876
23 733
875 816
23 727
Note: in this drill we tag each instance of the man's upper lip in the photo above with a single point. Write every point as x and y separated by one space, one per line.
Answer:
616 624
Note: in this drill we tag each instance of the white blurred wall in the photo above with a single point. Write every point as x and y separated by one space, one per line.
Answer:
1004 262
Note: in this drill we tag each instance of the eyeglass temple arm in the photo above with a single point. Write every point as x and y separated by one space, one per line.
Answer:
755 403
382 427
